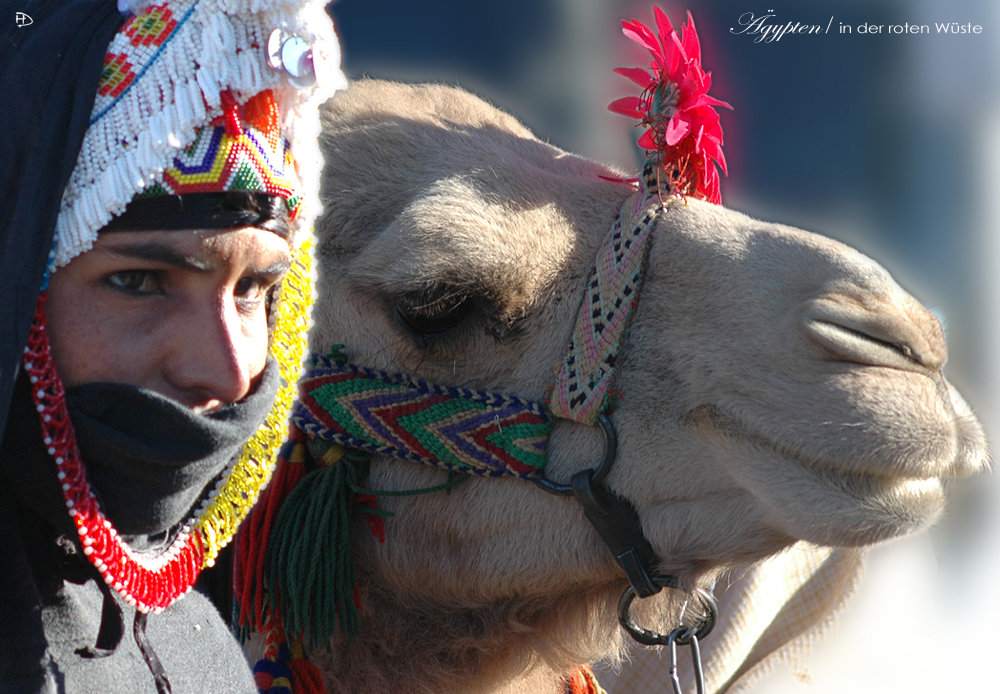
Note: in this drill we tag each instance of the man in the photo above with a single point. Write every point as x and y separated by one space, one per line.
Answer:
155 289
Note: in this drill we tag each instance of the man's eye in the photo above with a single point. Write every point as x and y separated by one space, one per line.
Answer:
250 291
248 287
136 282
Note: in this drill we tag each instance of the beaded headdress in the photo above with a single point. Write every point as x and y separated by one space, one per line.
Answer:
202 95
196 96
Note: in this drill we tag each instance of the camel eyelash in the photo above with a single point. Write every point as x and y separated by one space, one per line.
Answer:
431 314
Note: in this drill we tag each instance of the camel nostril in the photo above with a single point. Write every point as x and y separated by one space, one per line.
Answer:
883 335
855 345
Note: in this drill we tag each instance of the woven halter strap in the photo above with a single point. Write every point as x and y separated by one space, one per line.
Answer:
457 429
482 433
587 371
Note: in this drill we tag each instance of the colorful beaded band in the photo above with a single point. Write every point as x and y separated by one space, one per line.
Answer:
245 153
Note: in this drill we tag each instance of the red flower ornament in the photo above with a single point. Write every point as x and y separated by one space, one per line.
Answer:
682 133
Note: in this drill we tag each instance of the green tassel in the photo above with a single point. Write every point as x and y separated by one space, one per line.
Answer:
308 562
310 569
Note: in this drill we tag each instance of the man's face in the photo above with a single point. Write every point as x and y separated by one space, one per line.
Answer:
181 313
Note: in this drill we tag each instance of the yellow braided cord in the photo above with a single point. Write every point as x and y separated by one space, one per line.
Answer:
251 472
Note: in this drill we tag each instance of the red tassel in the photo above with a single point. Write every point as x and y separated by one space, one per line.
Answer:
582 681
253 537
308 678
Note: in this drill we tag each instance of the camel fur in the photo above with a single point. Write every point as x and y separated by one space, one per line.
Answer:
777 387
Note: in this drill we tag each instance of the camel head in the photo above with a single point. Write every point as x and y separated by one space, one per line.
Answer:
775 385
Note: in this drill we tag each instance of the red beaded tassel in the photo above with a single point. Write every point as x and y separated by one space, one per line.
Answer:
583 681
148 584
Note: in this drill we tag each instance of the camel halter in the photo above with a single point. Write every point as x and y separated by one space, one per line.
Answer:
491 435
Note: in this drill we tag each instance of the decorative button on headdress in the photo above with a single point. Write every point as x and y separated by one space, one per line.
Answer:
190 102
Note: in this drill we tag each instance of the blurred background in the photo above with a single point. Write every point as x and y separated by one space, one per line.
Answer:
888 142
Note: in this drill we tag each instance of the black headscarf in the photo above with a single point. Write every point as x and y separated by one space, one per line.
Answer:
49 71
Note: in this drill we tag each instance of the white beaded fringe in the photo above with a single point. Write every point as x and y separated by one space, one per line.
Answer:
219 46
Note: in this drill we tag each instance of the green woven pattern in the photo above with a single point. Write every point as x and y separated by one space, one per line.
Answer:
454 428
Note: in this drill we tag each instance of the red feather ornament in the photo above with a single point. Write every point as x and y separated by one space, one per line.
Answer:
682 133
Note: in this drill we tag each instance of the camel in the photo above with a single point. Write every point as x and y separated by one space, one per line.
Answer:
776 388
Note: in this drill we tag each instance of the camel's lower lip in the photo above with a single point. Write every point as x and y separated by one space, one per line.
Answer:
866 485
890 469
867 488
830 507
820 502
884 507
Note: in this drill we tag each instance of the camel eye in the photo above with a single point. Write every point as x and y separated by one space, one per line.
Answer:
428 316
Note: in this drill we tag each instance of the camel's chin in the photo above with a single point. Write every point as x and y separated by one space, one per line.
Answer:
829 507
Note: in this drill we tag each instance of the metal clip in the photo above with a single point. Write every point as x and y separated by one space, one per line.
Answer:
677 636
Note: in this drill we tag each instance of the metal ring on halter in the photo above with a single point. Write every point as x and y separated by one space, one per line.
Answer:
651 638
610 451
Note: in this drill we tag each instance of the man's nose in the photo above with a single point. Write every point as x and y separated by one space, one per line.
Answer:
214 358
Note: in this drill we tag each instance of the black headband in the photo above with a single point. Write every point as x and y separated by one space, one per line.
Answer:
223 210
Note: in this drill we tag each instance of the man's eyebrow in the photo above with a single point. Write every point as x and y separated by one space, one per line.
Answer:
278 267
160 253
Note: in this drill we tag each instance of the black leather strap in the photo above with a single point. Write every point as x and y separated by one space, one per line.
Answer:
617 522
112 627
